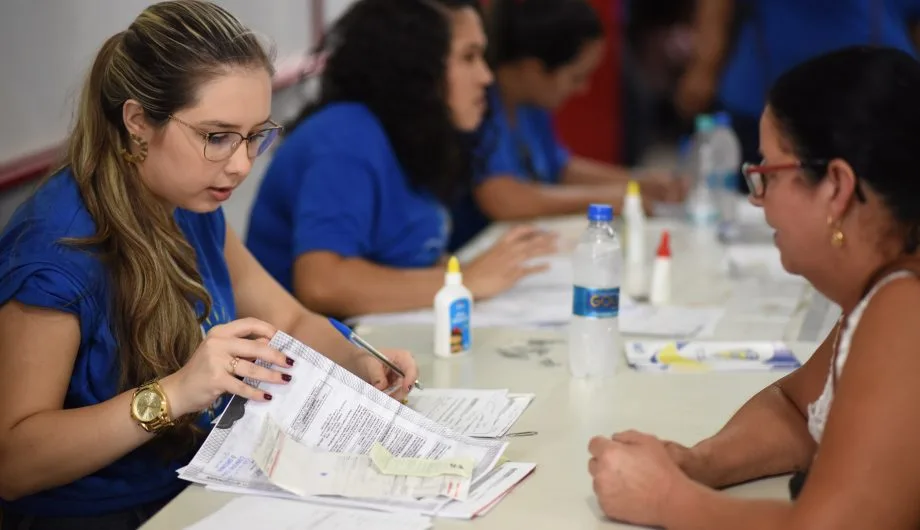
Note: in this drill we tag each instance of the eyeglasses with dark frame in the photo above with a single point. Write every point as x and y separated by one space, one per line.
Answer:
755 175
219 146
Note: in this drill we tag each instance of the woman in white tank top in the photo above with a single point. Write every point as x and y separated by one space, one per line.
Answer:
840 184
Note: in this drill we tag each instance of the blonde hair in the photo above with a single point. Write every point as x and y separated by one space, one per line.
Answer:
159 301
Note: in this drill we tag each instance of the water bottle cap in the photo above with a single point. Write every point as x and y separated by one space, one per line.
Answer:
704 123
722 119
600 212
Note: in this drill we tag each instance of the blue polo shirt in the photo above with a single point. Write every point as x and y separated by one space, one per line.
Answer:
776 35
336 185
37 269
529 151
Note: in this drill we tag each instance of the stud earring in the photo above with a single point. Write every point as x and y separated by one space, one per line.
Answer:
837 237
141 155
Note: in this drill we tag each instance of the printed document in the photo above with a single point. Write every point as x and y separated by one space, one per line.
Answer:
479 413
710 356
329 409
305 471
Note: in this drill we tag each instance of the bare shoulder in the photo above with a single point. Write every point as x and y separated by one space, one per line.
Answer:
866 472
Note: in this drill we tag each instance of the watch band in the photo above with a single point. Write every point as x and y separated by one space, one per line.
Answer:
164 419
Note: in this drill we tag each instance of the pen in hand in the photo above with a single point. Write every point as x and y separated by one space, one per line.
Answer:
351 336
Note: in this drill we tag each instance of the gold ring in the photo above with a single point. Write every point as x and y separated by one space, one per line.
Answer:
233 362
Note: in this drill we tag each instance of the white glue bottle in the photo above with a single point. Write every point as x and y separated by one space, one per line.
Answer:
453 306
636 265
661 273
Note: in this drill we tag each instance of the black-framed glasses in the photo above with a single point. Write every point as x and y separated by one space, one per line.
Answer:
219 146
755 175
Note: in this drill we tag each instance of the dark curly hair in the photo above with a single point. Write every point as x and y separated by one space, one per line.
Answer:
391 55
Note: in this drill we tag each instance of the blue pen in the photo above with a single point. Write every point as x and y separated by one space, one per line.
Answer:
351 336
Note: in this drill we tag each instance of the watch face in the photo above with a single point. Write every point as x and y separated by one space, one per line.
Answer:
147 405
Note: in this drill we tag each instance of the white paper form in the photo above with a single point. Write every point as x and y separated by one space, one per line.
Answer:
488 491
306 472
480 413
328 408
249 513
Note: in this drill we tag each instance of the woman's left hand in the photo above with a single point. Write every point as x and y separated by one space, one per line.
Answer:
381 377
633 477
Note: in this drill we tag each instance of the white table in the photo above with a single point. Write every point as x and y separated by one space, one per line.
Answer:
566 412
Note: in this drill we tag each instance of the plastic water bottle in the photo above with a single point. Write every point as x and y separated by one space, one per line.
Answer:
701 204
595 344
726 162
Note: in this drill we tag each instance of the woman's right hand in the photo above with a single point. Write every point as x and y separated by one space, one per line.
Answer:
503 265
212 370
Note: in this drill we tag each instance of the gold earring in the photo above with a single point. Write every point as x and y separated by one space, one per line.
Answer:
141 155
837 234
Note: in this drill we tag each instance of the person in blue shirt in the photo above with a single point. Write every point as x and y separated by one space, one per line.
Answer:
128 308
742 46
351 214
543 52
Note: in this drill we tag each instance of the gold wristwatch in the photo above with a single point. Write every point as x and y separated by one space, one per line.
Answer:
150 408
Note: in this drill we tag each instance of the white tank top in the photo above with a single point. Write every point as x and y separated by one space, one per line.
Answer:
818 411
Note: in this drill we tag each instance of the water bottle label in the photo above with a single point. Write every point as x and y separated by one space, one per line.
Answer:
730 180
714 180
460 325
596 303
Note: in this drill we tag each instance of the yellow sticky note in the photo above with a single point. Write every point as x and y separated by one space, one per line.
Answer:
388 464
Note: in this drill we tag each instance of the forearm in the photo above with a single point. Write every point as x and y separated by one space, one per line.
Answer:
712 22
696 507
359 287
54 448
538 200
315 331
584 171
767 436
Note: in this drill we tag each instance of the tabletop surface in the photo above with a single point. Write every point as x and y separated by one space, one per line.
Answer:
567 412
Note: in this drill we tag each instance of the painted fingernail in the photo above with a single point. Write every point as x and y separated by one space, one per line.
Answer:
268 397
290 362
286 377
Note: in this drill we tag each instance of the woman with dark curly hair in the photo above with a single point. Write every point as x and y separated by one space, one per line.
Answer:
350 216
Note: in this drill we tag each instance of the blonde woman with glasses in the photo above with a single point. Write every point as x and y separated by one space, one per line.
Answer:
128 308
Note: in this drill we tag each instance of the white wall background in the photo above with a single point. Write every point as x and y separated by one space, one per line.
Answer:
46 46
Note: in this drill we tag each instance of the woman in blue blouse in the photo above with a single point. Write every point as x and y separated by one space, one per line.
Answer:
543 53
128 308
350 216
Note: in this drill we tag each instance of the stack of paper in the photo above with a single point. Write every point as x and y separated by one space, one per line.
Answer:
478 413
305 472
328 410
710 356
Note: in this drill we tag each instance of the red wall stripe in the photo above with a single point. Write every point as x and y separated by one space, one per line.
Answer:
590 124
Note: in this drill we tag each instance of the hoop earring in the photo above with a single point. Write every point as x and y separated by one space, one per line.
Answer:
141 155
837 238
